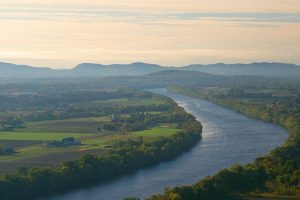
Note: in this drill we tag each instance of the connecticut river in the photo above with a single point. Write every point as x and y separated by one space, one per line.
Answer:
228 138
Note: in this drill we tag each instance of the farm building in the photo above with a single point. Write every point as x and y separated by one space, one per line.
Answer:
6 150
65 142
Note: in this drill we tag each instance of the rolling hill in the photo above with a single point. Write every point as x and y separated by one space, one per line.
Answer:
279 70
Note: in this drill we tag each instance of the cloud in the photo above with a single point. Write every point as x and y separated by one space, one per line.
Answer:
136 16
168 5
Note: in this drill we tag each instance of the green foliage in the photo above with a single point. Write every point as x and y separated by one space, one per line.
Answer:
9 123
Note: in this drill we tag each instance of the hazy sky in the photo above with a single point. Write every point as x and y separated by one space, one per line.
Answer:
63 33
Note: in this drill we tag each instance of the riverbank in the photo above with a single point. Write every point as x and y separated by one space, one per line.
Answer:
276 173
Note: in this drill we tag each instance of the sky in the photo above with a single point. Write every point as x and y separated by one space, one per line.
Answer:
64 33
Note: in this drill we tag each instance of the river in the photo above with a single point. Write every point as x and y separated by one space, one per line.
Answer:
228 138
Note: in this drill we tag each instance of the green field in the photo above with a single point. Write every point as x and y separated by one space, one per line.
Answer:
84 129
128 102
30 142
39 136
89 142
157 132
30 152
76 125
150 135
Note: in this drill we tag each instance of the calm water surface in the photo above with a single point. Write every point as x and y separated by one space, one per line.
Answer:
228 138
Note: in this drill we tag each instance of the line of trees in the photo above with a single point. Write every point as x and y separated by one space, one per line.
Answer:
9 123
137 121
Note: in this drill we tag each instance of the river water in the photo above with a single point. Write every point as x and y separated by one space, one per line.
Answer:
228 138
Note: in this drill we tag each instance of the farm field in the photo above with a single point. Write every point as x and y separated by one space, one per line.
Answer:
39 136
54 127
109 139
162 131
128 102
75 125
30 148
30 142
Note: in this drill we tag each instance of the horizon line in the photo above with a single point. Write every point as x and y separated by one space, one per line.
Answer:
149 63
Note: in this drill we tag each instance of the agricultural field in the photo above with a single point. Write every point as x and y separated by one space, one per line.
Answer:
105 140
31 140
30 147
75 125
128 102
39 136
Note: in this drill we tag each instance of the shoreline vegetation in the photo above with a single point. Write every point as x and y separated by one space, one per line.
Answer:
275 176
123 157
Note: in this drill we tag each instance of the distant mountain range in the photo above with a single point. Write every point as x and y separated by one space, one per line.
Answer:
280 70
8 70
138 68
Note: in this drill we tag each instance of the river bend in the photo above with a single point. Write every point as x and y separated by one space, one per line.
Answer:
228 138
